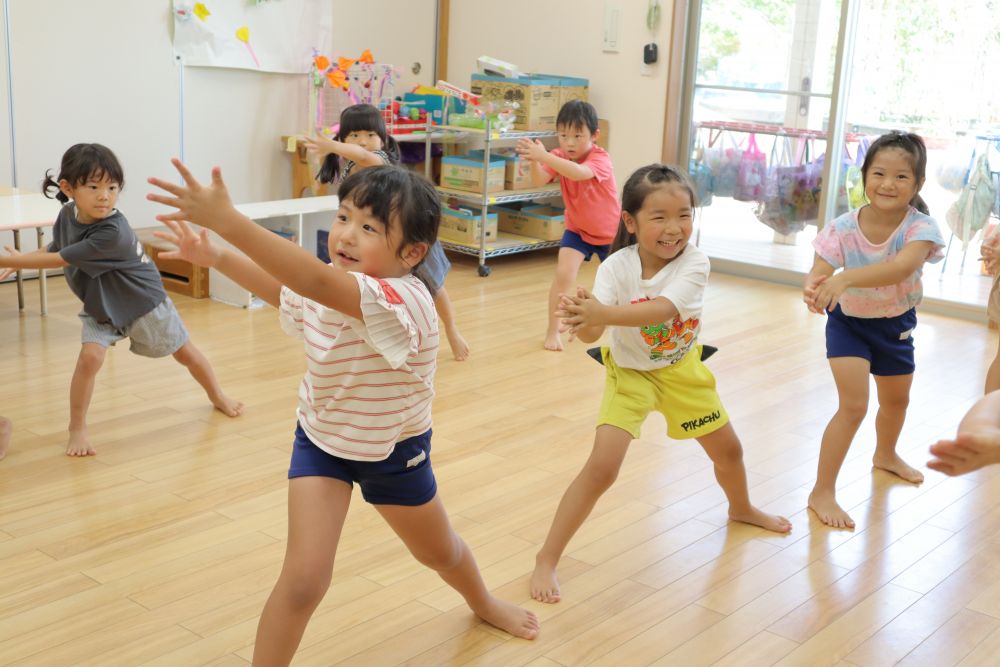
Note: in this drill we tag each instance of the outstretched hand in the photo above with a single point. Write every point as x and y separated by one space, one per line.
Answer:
319 146
967 452
191 246
578 311
8 272
989 254
809 291
204 205
530 149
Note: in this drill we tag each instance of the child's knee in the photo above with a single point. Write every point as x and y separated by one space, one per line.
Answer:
600 474
91 359
304 589
854 409
443 557
186 355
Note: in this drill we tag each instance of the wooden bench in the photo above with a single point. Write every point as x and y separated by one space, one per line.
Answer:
179 276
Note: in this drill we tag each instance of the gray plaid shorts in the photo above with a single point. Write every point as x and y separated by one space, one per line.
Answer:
158 333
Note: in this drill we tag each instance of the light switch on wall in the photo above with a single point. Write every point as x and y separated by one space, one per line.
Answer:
612 26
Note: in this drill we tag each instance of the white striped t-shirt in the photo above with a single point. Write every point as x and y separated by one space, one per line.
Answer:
369 383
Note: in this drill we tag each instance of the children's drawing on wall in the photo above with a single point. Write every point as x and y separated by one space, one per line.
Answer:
264 35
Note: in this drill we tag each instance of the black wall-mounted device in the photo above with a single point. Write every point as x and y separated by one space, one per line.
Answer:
649 53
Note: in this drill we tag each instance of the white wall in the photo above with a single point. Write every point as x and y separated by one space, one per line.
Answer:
565 37
103 71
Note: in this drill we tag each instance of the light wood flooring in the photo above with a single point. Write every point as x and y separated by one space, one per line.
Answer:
162 549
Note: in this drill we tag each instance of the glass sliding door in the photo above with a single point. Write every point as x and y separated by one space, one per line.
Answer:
759 114
928 67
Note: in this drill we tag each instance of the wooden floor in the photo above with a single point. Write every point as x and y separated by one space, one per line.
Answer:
162 549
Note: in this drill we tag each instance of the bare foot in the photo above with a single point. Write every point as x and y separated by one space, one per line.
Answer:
553 342
79 445
228 406
509 618
459 348
544 585
6 428
754 516
898 467
829 512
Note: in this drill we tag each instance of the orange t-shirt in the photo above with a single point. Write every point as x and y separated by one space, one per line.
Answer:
592 209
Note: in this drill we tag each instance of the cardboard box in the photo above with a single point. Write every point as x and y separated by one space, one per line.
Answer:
464 173
569 87
464 224
517 171
535 221
538 98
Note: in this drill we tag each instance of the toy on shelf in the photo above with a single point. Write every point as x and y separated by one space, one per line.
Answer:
502 115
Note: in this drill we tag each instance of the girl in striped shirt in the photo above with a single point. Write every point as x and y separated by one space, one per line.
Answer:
364 415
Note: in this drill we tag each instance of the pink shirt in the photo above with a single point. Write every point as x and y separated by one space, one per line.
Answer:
841 243
592 209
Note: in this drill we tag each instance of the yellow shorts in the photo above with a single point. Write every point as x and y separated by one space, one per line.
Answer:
684 393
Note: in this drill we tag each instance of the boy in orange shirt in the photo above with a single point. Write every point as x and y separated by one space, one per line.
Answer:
587 180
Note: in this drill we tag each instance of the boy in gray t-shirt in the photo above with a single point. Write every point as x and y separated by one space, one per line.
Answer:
121 289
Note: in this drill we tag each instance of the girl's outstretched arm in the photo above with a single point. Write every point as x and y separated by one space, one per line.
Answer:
37 259
210 206
198 249
322 147
910 258
585 317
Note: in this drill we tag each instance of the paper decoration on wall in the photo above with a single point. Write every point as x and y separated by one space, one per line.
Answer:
243 34
269 36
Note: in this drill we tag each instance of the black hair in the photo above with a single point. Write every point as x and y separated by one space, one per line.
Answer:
577 113
358 118
396 196
638 186
914 146
81 163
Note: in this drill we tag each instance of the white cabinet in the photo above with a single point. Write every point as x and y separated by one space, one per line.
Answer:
296 219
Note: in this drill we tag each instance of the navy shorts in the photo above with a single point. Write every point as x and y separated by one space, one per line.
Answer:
434 268
576 242
886 342
405 478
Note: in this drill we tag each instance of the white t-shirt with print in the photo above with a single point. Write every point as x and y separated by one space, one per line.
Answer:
369 383
619 282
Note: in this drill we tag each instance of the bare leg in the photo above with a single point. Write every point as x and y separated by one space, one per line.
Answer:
566 271
993 374
893 399
427 533
598 474
724 448
81 390
191 358
459 348
317 507
6 428
851 376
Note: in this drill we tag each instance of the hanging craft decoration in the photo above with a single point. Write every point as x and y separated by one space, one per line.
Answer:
243 34
201 11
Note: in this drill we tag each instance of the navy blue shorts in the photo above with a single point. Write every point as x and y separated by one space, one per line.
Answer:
886 342
405 478
576 242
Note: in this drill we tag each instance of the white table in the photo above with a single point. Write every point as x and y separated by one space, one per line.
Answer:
29 211
302 217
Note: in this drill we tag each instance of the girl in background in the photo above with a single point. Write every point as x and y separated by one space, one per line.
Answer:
362 142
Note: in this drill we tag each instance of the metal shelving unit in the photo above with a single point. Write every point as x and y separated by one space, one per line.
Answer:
506 244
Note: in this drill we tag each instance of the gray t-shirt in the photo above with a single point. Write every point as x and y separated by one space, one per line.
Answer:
108 269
